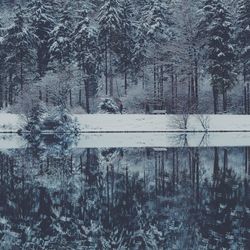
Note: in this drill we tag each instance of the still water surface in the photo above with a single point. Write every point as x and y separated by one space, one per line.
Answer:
56 196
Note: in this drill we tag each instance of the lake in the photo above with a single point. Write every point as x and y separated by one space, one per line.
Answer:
125 191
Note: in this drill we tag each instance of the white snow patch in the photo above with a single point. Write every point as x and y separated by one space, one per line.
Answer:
142 123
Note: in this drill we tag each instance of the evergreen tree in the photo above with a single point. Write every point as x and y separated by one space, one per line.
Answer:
139 52
220 52
126 45
2 58
60 48
155 20
18 43
155 27
109 36
187 42
42 23
206 17
243 41
87 54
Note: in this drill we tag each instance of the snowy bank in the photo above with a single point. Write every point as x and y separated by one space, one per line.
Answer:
163 123
145 123
10 123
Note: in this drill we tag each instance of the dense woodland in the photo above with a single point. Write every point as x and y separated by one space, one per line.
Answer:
178 55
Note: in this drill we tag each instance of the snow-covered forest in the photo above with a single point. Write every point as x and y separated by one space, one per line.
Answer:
188 56
124 124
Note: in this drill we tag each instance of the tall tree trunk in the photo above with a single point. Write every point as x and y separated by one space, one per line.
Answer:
176 91
125 81
1 93
158 82
245 89
172 89
196 84
161 86
6 94
155 85
143 77
189 93
70 98
21 75
11 93
111 87
224 100
248 98
192 91
80 97
245 99
106 66
215 96
86 84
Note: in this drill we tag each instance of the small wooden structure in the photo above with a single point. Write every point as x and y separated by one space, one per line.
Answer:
159 112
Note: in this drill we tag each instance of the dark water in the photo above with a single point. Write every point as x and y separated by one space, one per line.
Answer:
125 198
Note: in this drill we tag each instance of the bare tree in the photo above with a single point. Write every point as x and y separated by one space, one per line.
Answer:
204 120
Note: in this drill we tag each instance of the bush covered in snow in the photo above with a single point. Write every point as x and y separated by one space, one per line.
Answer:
57 119
34 119
108 106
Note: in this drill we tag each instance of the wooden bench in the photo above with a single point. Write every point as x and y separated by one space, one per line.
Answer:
159 112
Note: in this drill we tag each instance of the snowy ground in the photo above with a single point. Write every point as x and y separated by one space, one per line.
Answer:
161 123
143 123
10 123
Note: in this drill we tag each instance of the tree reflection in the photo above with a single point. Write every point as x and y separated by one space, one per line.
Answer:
185 198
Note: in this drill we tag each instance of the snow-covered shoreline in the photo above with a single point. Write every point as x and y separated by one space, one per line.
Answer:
94 123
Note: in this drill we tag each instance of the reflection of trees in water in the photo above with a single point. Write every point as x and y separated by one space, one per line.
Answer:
224 213
53 144
93 198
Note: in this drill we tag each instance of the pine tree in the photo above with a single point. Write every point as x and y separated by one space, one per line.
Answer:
155 20
126 46
109 36
2 58
42 23
60 41
243 41
18 43
86 53
155 23
206 17
219 49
